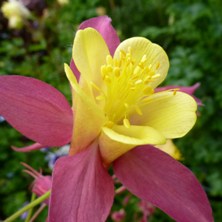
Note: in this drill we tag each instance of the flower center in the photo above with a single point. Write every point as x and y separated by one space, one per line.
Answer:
126 86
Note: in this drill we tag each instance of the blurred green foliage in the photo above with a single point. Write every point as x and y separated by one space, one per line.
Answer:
190 32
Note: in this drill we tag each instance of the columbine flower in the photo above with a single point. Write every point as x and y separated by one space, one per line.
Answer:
41 184
100 11
15 12
115 110
116 96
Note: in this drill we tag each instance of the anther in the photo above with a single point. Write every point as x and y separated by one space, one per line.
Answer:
126 105
122 54
107 79
157 65
136 71
148 90
155 76
116 71
175 91
95 86
138 81
103 71
138 110
144 59
116 62
126 123
147 79
100 97
109 60
109 68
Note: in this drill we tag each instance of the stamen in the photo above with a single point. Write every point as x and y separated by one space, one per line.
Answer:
103 71
157 65
127 85
148 79
126 123
107 79
109 60
116 62
138 110
136 72
138 81
156 76
116 71
100 97
175 91
144 59
95 86
109 68
126 105
148 90
122 55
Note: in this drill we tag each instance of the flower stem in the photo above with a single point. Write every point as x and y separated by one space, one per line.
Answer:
31 209
27 207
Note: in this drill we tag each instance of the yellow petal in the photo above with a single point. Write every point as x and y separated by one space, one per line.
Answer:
88 117
154 57
170 148
118 140
89 54
172 114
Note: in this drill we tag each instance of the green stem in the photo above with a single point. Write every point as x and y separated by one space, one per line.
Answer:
31 209
27 207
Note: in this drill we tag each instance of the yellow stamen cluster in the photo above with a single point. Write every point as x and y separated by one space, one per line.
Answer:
126 85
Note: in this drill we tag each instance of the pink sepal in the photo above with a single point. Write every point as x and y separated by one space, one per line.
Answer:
154 176
103 25
36 109
82 189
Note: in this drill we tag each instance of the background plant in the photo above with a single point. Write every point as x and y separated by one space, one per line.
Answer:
190 32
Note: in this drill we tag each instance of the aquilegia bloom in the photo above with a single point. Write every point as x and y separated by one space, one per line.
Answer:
41 184
116 111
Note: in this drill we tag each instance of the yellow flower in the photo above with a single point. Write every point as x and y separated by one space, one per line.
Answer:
63 2
15 12
114 101
100 11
